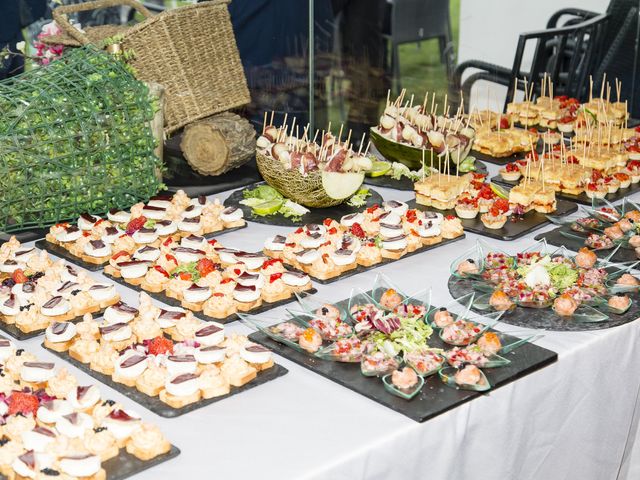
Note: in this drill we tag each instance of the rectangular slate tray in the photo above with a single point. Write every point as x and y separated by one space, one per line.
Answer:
18 334
435 398
555 238
156 405
24 236
405 183
385 261
176 303
582 198
58 251
512 229
126 465
494 160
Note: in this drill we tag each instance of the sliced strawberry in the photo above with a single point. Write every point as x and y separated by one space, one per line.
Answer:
135 224
160 345
19 276
205 266
22 402
357 230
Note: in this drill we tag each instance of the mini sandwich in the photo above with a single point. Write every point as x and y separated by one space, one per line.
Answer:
522 196
544 200
496 144
441 191
572 178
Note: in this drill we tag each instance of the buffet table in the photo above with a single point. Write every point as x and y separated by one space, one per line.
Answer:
576 418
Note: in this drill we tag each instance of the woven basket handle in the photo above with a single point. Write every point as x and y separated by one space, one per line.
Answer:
60 14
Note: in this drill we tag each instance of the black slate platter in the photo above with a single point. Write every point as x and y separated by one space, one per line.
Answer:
156 405
24 236
58 251
125 465
546 318
385 261
18 334
435 398
404 183
495 160
503 160
511 230
555 238
582 198
316 215
176 303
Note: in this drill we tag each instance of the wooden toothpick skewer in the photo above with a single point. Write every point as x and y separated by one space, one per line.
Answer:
264 122
361 143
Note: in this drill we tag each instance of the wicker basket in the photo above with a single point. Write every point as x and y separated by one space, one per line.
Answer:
190 50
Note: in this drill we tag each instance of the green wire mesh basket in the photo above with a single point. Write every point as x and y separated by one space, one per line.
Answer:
75 137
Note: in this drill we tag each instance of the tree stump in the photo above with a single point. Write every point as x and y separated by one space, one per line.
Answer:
217 144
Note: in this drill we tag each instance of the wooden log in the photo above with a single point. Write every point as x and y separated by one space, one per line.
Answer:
217 144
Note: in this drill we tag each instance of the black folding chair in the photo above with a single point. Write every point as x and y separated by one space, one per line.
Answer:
568 54
413 21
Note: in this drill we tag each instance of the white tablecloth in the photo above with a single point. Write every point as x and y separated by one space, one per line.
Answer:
575 419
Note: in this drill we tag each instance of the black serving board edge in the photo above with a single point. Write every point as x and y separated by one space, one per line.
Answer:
18 334
531 220
545 318
278 220
582 198
156 405
406 184
385 261
554 238
404 407
266 306
61 252
125 465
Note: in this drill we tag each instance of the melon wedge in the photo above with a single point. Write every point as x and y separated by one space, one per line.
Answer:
341 186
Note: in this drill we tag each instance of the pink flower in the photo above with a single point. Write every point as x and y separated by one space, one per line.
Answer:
51 28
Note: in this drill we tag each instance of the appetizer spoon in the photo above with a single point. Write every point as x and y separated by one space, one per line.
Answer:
406 394
447 375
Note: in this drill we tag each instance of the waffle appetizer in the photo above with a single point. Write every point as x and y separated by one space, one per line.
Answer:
504 143
206 277
94 240
406 130
597 162
164 353
311 174
567 114
35 291
389 231
55 428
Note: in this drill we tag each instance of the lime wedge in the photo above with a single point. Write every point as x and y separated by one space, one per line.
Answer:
499 191
379 168
268 208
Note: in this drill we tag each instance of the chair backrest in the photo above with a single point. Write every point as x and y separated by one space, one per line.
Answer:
415 20
567 54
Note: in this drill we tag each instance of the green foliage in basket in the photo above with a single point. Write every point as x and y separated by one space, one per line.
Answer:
75 137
